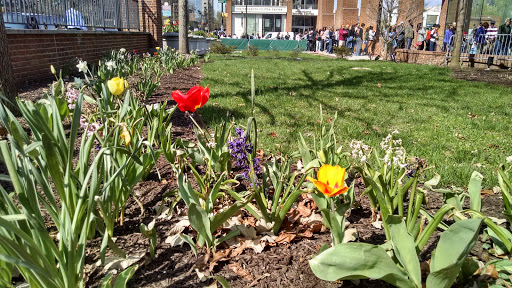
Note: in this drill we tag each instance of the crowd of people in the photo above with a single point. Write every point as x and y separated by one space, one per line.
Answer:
486 38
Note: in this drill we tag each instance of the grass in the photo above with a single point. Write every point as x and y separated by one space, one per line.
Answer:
458 126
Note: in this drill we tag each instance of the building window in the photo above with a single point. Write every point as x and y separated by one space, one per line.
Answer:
305 4
259 2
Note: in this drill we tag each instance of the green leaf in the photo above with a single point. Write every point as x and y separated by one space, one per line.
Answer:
123 278
475 187
200 222
358 261
404 248
452 249
107 281
223 282
190 242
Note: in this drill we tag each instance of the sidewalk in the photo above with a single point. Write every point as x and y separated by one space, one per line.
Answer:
352 57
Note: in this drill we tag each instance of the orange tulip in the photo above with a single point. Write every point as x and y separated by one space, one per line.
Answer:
195 98
331 180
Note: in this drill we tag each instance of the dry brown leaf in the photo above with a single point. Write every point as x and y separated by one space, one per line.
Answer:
487 192
238 270
285 237
273 134
307 234
303 210
491 271
379 85
318 227
249 221
260 153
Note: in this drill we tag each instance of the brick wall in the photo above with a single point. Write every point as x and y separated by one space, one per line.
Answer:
438 59
150 12
350 12
33 51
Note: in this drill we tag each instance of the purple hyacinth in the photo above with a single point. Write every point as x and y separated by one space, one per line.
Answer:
240 149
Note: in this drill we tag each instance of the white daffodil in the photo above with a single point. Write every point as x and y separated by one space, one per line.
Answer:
122 50
111 65
82 66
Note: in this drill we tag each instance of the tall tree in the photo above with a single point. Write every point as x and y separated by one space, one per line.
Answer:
183 32
7 82
461 13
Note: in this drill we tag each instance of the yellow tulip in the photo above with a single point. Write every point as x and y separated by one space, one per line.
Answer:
331 180
125 135
157 48
116 85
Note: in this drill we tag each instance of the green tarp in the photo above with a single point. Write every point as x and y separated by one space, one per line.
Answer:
240 44
280 45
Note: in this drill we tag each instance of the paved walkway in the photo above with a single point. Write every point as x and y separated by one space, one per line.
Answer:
352 57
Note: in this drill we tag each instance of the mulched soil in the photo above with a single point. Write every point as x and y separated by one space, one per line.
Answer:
283 265
494 76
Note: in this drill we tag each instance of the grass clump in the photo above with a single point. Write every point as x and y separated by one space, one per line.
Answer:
217 47
252 50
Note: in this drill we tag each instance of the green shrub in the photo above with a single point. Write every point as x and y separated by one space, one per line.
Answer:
252 50
219 48
342 51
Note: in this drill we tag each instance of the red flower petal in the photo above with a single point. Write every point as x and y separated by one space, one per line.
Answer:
205 95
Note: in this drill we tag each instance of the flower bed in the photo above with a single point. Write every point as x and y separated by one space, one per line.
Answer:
147 192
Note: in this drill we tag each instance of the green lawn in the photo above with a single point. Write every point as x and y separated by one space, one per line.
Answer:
458 126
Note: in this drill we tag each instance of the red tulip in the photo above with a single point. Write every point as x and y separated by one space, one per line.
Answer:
195 98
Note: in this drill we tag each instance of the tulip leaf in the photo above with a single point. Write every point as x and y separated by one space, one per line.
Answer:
404 248
452 249
474 189
358 261
200 222
123 278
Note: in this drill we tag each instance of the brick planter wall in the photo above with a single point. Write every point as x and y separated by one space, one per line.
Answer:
33 51
420 57
438 58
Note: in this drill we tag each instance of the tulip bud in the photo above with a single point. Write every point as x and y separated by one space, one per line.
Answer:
53 70
322 157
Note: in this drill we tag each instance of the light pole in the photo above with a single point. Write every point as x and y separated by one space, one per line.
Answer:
246 36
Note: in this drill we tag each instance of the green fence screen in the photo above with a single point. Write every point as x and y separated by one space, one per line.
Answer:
280 45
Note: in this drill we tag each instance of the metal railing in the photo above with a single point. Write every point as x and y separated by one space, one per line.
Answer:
484 45
71 14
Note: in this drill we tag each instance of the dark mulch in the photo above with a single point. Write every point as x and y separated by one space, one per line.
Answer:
494 76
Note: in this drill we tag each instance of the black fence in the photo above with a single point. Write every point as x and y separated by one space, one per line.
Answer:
71 14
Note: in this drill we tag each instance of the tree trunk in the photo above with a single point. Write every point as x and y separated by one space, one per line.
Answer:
183 33
461 9
7 82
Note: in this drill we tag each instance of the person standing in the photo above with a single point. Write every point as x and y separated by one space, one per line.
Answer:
433 38
448 35
490 37
409 35
371 37
400 35
343 36
503 41
480 37
330 36
359 31
421 36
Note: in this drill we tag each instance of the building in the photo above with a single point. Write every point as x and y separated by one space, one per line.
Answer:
431 16
262 16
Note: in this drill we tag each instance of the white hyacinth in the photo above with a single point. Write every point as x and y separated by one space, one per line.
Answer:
111 65
359 150
122 50
82 66
394 152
